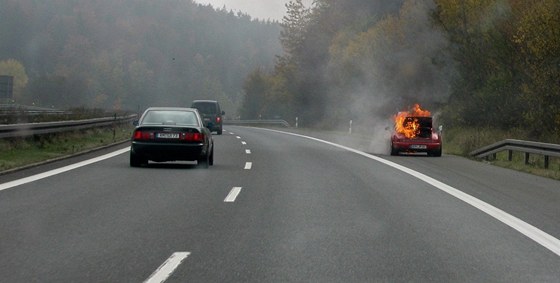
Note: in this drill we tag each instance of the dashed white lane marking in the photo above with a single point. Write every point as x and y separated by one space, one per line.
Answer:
532 232
248 165
167 268
233 194
33 178
248 151
238 137
243 143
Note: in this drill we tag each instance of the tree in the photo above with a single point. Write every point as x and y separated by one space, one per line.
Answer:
255 89
294 26
538 39
12 67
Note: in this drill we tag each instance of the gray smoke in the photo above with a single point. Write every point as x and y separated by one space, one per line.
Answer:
402 60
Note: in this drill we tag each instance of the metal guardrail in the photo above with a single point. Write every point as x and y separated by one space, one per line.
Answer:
528 147
281 123
11 109
30 129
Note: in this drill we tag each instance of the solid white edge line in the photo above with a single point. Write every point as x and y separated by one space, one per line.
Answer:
233 194
53 172
248 165
167 268
534 233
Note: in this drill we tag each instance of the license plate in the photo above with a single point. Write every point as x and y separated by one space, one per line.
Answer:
418 146
168 135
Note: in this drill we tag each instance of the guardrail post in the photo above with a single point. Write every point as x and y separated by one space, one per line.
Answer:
526 158
510 155
114 127
546 161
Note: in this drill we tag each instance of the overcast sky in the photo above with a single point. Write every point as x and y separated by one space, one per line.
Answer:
262 9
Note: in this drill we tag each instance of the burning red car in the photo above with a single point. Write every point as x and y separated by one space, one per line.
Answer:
414 132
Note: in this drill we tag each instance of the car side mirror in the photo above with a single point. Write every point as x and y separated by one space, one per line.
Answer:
223 112
440 128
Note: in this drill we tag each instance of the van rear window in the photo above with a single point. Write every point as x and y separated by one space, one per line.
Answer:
205 108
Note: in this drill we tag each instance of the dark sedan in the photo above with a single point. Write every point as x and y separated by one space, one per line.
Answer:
171 134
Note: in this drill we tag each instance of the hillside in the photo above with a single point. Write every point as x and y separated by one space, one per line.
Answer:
129 54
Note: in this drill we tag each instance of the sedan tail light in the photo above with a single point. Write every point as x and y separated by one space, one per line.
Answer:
142 135
192 137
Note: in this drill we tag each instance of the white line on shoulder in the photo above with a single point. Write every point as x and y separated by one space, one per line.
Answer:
537 235
53 172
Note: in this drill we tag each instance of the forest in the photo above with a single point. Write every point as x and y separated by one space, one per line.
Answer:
473 63
130 54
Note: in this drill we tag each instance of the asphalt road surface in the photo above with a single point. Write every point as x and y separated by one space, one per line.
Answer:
278 207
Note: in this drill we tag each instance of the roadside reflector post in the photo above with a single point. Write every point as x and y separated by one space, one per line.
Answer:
297 121
350 129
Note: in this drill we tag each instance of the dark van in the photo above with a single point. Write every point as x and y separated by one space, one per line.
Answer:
211 114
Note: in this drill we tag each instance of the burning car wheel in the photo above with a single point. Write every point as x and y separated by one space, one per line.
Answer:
394 151
435 153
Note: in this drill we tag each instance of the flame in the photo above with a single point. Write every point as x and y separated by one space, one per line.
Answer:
410 128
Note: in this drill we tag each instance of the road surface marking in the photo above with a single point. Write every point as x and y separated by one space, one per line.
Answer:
243 143
248 151
248 165
43 175
233 194
167 268
537 235
238 137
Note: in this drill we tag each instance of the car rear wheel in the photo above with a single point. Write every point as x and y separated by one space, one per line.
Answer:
211 159
136 160
394 151
204 161
219 131
435 153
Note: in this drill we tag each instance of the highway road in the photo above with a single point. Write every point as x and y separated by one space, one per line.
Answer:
278 207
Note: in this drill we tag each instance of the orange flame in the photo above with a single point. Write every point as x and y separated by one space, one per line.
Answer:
410 128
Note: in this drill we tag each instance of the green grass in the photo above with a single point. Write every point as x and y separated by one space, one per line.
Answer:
15 153
535 165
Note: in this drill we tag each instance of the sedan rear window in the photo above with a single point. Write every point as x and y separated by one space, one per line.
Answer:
157 117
